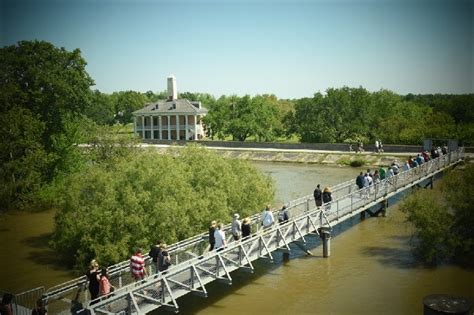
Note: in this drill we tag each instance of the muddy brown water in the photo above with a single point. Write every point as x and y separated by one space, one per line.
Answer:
370 271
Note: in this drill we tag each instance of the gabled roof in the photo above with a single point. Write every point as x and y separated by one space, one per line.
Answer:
180 106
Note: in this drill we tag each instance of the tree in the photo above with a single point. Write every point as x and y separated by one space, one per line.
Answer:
46 80
23 157
108 209
126 103
443 218
101 109
43 90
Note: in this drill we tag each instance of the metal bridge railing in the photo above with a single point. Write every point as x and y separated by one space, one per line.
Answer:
192 275
61 297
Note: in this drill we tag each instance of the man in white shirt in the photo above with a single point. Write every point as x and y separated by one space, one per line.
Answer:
219 235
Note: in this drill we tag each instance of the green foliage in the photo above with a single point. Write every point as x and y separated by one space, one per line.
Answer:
357 162
43 91
126 103
101 109
433 224
260 117
23 158
459 186
109 208
443 218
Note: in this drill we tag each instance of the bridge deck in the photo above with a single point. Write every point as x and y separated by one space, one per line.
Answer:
194 266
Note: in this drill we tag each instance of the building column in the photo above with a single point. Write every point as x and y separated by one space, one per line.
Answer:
177 127
151 128
143 127
195 127
187 127
135 132
160 128
169 127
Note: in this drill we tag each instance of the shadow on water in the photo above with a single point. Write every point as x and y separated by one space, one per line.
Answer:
190 304
42 254
390 256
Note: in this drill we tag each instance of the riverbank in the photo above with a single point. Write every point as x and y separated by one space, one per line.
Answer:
322 157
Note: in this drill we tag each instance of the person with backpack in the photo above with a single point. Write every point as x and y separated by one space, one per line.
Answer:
283 215
327 198
318 196
164 259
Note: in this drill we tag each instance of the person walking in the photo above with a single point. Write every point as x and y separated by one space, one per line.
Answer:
137 265
39 308
219 236
154 253
317 194
93 277
283 215
212 239
327 198
105 288
164 259
267 217
236 227
6 304
246 227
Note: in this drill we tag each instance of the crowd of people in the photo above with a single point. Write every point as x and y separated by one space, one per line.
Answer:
370 179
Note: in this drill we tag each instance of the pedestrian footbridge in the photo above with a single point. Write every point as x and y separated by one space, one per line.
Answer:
194 266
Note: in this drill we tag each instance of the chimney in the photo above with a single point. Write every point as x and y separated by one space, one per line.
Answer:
172 89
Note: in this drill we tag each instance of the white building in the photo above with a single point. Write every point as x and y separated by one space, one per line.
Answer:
171 119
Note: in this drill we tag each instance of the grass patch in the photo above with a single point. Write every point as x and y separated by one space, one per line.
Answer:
358 162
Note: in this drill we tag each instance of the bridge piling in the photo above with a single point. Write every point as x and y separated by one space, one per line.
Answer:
325 234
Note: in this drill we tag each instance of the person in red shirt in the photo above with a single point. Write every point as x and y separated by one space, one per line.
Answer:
137 266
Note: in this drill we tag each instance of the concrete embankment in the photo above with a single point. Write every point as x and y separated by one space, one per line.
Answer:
302 156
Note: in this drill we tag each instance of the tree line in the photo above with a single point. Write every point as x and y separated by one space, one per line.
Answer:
58 150
48 108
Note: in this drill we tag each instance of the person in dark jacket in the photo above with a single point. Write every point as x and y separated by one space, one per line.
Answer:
212 239
318 195
327 198
360 182
246 227
93 277
154 253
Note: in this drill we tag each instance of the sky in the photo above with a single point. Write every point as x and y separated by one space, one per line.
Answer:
292 49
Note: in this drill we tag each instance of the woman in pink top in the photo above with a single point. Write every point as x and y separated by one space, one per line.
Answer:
104 284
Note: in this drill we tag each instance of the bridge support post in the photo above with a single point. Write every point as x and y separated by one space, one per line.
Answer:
383 210
431 182
325 234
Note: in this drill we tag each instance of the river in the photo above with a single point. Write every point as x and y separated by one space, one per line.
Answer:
370 271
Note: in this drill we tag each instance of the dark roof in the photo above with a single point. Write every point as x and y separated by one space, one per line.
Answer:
180 106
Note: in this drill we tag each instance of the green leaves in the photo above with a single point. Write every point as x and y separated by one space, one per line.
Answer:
443 218
108 209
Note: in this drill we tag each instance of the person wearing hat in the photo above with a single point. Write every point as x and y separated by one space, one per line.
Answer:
236 227
246 227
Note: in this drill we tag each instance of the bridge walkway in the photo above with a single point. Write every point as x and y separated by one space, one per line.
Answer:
194 266
191 276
